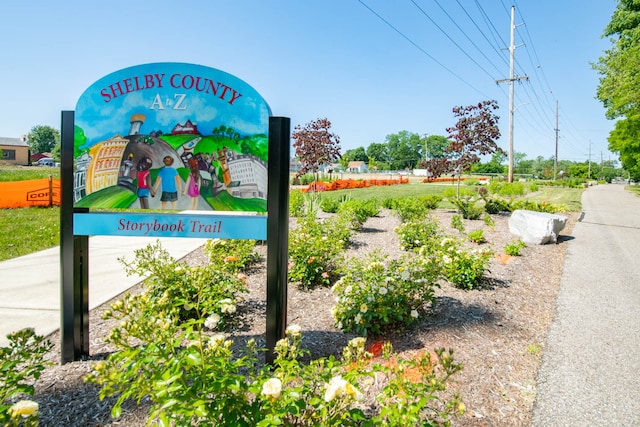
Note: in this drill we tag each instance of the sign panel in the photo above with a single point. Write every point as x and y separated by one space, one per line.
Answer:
171 136
206 226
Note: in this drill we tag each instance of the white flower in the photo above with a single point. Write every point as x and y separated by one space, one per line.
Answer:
358 319
363 308
383 291
24 408
272 388
216 341
414 314
293 330
348 290
339 387
446 259
212 321
335 388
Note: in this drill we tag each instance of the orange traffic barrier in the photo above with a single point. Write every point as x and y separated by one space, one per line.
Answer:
342 184
35 192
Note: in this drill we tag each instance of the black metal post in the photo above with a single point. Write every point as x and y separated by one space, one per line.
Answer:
277 231
74 259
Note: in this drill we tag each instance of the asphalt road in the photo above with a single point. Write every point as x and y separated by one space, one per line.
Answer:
590 373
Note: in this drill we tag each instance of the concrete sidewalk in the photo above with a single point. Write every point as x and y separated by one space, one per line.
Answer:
589 373
30 285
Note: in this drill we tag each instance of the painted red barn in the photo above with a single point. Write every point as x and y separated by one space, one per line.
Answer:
186 128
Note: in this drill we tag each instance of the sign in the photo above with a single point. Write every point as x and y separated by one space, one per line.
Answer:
205 226
171 136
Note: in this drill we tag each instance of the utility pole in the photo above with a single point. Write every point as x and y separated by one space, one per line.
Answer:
555 159
511 79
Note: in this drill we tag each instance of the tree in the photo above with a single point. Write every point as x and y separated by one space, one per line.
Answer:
625 140
493 166
378 152
474 134
437 167
42 138
315 146
404 149
436 146
357 155
619 67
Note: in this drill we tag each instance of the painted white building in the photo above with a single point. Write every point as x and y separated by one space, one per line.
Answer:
248 175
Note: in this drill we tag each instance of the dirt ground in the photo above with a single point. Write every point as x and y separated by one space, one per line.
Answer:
497 331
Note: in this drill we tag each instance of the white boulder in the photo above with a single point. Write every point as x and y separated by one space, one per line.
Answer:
536 228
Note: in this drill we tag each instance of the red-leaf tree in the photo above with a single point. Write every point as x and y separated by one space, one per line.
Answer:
474 134
315 146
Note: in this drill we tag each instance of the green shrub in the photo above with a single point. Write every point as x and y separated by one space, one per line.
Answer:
489 222
462 267
410 208
21 364
514 248
477 236
533 187
361 209
431 201
205 383
456 222
329 205
417 233
375 293
495 205
296 203
465 201
183 292
314 248
231 255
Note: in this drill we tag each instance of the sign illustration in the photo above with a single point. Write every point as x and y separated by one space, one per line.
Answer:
171 136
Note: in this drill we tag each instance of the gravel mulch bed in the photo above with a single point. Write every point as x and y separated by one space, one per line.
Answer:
497 332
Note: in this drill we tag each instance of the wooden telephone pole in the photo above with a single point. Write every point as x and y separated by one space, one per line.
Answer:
512 78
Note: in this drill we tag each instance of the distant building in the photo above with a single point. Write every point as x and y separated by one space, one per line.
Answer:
357 167
187 128
15 151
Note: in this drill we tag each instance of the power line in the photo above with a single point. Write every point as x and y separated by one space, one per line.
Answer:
450 71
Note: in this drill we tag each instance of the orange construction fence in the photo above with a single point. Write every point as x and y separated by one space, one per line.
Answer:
342 184
35 192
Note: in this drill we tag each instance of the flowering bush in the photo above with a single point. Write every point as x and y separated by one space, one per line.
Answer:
416 233
21 363
203 382
231 255
376 292
314 248
409 208
179 291
463 267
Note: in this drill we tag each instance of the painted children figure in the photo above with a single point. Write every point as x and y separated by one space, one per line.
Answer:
171 183
192 187
144 182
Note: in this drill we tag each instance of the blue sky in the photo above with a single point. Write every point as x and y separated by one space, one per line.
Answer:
371 74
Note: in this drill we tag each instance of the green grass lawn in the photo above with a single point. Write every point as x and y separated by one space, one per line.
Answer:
27 230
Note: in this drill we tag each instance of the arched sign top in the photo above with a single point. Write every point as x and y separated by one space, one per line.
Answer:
171 128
